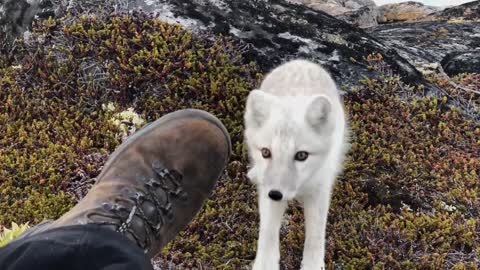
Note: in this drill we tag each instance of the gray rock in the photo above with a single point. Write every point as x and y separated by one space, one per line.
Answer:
468 11
461 62
425 44
16 15
277 31
361 13
363 17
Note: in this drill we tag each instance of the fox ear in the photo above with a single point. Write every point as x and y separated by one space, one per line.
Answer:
258 108
318 113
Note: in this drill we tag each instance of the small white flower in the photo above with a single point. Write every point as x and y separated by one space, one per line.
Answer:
110 107
449 208
406 207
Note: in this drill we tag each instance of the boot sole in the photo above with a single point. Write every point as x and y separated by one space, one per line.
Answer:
177 115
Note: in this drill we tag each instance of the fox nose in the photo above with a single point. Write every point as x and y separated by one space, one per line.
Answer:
275 195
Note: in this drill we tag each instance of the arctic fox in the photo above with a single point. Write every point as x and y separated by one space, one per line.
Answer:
296 134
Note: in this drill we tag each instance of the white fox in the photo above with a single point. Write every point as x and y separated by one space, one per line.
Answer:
296 134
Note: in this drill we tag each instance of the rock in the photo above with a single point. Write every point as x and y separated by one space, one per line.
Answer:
425 44
360 13
405 12
363 17
461 62
277 31
16 15
467 11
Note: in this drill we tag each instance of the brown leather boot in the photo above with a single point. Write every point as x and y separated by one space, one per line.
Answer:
153 184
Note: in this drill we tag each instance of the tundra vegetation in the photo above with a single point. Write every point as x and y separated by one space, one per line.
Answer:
77 86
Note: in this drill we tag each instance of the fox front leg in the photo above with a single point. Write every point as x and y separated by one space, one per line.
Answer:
316 213
268 246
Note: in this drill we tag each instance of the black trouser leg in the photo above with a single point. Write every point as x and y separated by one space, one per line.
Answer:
79 247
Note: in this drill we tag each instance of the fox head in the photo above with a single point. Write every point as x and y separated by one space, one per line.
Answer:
288 139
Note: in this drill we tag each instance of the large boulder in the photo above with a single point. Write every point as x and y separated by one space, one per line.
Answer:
405 12
461 62
361 13
364 17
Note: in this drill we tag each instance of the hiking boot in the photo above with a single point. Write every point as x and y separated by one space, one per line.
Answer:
153 184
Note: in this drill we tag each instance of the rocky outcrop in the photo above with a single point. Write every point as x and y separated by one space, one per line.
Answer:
360 13
461 62
425 44
468 11
276 31
405 12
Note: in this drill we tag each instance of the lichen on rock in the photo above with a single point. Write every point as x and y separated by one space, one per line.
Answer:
127 122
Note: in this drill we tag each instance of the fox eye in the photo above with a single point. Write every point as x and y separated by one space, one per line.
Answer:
301 156
266 153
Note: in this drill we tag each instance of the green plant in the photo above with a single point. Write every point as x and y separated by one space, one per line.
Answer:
7 235
54 133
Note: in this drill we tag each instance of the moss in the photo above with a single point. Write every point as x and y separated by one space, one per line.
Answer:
420 153
408 198
462 90
458 20
51 117
416 146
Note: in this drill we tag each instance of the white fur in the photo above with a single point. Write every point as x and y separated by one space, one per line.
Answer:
297 108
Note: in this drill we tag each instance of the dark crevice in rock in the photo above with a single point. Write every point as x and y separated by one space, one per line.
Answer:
461 62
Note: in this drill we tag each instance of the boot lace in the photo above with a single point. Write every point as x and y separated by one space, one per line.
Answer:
158 191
